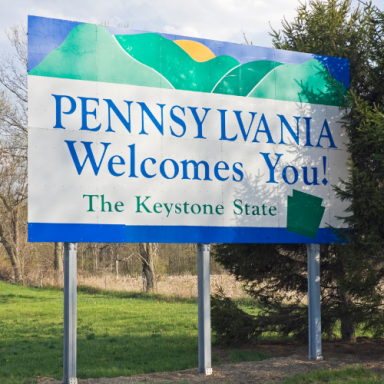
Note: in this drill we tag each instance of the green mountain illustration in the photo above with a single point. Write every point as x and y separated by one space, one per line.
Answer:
91 53
308 82
241 80
167 58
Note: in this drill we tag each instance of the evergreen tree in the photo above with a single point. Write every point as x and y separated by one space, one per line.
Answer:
351 275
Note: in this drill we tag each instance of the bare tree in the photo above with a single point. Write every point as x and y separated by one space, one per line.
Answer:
148 253
13 209
13 79
13 148
58 260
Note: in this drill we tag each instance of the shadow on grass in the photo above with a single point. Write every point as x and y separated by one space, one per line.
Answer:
238 356
97 356
134 295
5 298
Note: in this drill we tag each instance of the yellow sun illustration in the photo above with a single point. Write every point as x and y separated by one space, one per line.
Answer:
197 51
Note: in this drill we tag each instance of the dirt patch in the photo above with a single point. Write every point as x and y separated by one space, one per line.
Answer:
288 359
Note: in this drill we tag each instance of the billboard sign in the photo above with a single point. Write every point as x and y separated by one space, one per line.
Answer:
149 137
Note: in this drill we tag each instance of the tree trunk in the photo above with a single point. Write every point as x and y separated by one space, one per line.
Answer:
148 252
94 252
58 261
346 318
13 254
16 265
17 270
128 273
58 257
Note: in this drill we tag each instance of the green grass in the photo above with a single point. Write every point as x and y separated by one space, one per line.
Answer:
119 333
248 305
355 375
238 356
359 332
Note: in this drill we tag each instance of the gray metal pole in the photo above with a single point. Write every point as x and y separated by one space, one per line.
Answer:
70 312
314 308
204 309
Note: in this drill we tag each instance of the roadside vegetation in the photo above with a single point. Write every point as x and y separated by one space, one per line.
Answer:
352 274
119 334
353 375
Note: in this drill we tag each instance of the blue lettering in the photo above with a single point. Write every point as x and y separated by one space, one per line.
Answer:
142 168
238 172
290 130
58 99
177 120
218 168
87 146
295 172
199 122
112 163
270 166
85 113
241 125
328 136
175 166
308 131
133 160
159 126
196 169
305 176
223 136
127 123
265 130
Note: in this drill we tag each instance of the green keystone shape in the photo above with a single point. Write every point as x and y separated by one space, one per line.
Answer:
304 214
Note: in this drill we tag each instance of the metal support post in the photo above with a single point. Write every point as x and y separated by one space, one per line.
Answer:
70 313
204 308
314 308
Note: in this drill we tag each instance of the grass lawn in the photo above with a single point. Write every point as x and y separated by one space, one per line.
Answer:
349 375
119 334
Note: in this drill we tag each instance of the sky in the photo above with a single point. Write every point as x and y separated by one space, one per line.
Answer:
225 20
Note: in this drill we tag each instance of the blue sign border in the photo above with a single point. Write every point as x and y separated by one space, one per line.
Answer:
115 233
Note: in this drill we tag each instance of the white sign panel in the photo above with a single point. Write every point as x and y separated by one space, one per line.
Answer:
143 137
